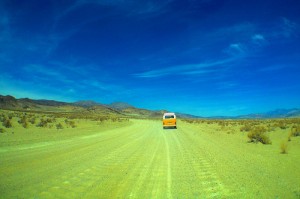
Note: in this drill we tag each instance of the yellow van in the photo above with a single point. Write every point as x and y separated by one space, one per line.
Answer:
169 120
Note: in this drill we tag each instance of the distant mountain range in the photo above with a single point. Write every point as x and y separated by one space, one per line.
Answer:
119 108
278 113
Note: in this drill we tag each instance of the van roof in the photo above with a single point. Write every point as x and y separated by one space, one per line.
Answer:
169 113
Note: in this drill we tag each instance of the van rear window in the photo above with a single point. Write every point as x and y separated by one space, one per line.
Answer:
169 116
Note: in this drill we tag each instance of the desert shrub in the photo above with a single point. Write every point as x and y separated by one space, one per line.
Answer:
281 124
59 126
43 123
7 123
258 134
72 124
2 118
295 131
290 136
102 118
283 147
246 127
32 120
25 124
114 119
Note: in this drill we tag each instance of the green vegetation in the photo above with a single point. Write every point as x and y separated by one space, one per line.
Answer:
258 134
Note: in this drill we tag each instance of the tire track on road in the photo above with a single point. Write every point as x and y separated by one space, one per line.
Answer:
200 175
169 179
203 148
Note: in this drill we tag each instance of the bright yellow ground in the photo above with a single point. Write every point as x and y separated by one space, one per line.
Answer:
141 160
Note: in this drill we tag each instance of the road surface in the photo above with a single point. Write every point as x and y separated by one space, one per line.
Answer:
138 161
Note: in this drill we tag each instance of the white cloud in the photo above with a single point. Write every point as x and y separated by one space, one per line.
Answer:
187 69
236 49
38 70
241 30
258 39
289 28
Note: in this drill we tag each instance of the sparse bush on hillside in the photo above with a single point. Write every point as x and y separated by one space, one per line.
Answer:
2 118
114 119
103 118
70 123
25 124
246 127
258 134
282 124
7 123
32 120
43 123
59 126
270 128
10 116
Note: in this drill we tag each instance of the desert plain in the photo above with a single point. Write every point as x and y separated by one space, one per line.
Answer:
137 158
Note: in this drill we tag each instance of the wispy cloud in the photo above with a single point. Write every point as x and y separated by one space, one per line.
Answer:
187 69
240 30
273 68
288 27
236 49
40 70
284 29
258 39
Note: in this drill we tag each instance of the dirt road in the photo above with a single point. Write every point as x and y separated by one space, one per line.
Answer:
144 161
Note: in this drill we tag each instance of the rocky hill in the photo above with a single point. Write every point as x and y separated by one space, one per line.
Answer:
118 108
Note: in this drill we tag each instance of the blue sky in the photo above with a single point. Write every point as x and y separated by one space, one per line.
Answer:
203 57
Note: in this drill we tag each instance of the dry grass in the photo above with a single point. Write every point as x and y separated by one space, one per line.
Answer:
283 147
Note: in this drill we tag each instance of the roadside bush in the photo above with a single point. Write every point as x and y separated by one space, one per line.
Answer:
32 120
283 147
72 124
59 126
114 119
43 123
246 127
103 118
25 124
282 124
2 118
7 123
258 134
295 131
